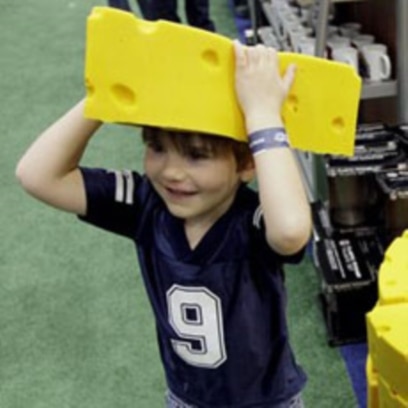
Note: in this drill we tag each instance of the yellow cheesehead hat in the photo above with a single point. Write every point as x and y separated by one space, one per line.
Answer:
174 76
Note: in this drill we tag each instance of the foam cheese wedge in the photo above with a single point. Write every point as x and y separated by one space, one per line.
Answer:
372 384
393 273
388 398
175 76
387 329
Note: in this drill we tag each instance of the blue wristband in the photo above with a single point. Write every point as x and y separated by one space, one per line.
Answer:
267 139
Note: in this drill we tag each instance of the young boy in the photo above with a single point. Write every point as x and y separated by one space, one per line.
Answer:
210 250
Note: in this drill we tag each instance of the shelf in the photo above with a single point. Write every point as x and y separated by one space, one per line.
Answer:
379 90
311 165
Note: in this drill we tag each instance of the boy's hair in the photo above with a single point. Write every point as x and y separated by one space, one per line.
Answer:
216 145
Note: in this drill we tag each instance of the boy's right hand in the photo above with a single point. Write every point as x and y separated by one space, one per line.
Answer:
260 88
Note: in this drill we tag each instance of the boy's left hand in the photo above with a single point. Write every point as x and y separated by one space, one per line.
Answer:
260 88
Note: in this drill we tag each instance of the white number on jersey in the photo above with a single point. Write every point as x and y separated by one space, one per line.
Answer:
195 315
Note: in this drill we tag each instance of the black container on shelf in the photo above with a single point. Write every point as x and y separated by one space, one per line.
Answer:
325 228
394 186
402 133
354 196
354 201
377 148
354 226
347 266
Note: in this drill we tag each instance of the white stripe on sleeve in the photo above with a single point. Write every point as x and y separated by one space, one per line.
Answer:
256 220
130 186
119 186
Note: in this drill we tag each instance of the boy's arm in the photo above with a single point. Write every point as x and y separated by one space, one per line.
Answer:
261 91
49 168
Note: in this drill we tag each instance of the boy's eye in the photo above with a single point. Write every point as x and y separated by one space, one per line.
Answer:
156 147
198 154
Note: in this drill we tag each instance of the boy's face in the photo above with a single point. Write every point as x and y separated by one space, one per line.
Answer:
195 184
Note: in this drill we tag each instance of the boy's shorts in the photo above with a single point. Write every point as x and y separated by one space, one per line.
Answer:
172 401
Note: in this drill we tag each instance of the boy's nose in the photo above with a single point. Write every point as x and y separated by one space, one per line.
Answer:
174 168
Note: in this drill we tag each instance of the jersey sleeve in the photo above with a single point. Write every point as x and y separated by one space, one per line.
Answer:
114 199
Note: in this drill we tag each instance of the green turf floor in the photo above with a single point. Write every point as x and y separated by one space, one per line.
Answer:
76 330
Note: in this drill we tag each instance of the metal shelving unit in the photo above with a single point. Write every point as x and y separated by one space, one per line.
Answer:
312 165
402 59
369 90
397 87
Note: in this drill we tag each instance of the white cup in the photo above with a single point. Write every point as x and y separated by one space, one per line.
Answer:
278 11
296 36
267 32
332 31
350 29
347 55
307 46
308 31
362 39
292 24
377 61
284 19
337 41
304 13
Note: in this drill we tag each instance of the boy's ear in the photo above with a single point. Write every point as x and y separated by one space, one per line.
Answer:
247 173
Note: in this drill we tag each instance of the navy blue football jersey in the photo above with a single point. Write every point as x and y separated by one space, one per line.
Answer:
219 308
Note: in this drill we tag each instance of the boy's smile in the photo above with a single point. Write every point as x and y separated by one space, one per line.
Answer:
178 194
198 187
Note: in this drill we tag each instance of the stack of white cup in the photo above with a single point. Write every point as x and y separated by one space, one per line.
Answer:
346 43
363 53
